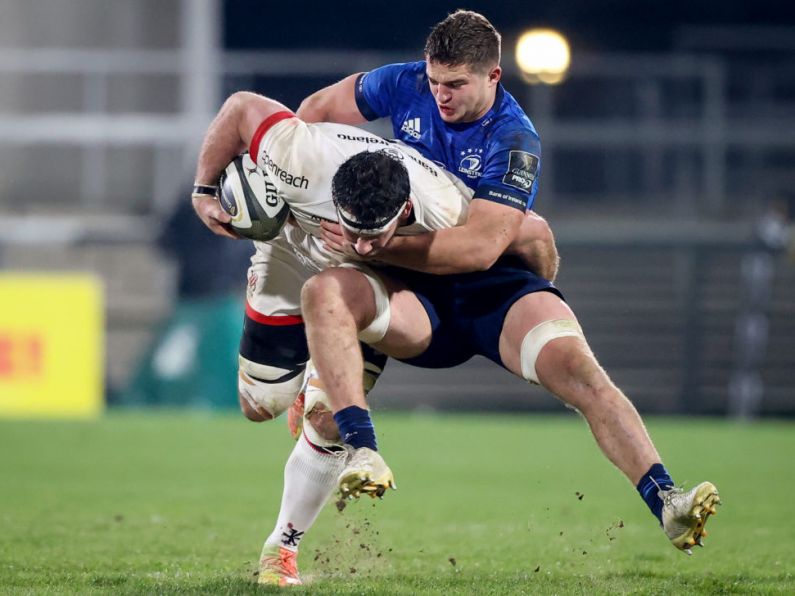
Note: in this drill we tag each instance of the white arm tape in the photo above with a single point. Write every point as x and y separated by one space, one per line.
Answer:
538 337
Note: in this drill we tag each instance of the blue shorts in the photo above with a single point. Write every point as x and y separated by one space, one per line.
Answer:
467 310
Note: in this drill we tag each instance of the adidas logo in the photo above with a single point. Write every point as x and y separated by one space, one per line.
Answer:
412 127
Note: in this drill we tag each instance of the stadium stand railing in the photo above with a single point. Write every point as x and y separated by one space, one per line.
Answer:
631 141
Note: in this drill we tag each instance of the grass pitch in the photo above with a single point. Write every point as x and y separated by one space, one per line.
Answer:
181 502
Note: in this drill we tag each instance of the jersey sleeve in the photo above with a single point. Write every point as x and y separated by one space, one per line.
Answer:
512 166
375 90
284 147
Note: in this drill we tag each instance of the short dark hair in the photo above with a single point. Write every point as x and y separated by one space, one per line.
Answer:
464 37
372 186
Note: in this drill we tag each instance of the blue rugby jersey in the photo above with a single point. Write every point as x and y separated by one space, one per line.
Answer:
498 155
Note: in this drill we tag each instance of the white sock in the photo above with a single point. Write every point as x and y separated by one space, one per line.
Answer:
310 476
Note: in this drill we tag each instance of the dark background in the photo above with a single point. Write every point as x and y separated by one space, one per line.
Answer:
625 25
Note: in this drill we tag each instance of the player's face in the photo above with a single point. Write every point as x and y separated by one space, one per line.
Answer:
368 246
462 95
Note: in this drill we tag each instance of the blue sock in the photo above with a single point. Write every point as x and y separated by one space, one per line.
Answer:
648 489
356 428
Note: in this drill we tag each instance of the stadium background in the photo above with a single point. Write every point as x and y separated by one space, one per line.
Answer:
668 180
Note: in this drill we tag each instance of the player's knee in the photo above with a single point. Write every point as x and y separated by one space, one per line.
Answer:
264 391
319 287
250 411
344 284
541 338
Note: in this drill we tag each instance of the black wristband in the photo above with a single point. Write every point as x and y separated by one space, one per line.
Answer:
203 189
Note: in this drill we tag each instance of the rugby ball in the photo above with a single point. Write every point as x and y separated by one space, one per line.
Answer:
246 193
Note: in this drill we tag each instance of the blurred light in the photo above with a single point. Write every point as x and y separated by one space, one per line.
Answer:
543 56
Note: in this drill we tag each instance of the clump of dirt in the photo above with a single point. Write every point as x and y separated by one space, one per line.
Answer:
615 526
356 549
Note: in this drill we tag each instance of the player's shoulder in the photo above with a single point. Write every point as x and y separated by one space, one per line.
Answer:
510 119
399 70
510 127
403 75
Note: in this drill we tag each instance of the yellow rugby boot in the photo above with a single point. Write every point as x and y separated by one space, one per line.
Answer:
685 514
365 473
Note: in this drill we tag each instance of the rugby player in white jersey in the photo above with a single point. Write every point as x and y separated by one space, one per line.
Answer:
300 160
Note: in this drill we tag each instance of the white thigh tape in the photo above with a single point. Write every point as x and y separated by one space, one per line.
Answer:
538 337
377 329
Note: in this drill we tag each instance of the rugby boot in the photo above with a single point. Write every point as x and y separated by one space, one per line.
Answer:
278 566
685 514
365 473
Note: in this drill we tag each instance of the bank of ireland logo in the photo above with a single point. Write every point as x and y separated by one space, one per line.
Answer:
471 160
412 127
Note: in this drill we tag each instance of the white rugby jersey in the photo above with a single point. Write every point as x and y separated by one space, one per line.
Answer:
301 160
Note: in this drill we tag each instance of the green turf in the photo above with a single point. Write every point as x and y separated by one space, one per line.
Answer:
180 503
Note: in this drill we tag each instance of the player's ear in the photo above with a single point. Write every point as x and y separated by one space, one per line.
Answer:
406 209
495 74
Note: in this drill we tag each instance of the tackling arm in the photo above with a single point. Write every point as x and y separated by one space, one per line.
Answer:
229 134
335 103
535 245
475 246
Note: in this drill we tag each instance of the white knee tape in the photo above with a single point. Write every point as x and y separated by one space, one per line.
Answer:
258 385
376 330
538 337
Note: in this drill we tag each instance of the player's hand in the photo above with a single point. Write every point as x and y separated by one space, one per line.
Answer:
535 245
213 216
331 235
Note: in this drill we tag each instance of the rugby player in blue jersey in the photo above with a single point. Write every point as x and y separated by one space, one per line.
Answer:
452 107
454 110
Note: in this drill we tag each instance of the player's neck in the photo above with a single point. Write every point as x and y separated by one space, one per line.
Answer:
484 108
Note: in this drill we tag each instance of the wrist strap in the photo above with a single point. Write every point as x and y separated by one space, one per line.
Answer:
203 189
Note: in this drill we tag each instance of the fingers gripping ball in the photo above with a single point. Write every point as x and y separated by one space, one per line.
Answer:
258 211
